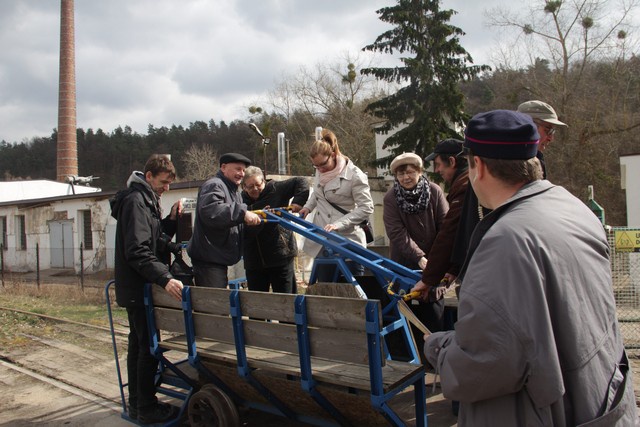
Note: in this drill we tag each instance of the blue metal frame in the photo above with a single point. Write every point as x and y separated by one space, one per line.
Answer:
337 249
243 365
304 351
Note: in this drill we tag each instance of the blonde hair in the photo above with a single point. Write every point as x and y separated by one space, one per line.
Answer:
326 145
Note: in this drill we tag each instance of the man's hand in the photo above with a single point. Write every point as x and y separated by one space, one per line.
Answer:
295 208
251 218
422 263
176 210
421 287
174 288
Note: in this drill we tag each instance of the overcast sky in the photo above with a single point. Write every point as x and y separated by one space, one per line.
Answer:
164 62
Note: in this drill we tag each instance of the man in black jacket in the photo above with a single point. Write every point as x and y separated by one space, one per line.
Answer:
269 249
137 261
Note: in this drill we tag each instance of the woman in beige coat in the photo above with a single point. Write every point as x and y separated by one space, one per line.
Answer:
338 184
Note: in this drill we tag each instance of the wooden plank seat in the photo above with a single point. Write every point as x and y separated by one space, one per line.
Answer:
314 340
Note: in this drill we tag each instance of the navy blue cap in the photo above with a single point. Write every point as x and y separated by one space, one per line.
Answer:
502 134
234 158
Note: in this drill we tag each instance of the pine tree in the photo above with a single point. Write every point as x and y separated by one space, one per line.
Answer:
430 102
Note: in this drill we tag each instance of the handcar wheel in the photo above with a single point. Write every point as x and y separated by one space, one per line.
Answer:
205 410
228 406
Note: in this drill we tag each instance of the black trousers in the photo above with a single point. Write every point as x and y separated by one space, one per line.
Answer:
325 272
210 276
141 365
282 279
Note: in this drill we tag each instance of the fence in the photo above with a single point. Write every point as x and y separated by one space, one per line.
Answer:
625 269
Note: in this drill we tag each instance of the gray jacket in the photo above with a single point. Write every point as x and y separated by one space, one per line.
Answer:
350 191
537 342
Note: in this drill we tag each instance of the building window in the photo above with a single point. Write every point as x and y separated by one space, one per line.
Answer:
21 233
3 232
85 229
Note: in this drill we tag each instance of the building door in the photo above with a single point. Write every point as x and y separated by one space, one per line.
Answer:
61 239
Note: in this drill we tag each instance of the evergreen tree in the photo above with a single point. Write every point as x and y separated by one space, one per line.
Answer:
429 105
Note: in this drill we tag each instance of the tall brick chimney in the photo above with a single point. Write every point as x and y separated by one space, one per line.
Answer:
67 149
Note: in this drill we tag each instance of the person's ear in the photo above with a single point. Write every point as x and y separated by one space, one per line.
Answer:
481 167
148 176
452 161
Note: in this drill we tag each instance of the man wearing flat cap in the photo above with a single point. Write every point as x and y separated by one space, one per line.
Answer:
219 224
546 119
536 342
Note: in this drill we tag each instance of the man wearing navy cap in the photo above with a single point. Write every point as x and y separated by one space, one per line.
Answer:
219 224
536 341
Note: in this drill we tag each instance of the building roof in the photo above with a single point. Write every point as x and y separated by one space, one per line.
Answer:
15 191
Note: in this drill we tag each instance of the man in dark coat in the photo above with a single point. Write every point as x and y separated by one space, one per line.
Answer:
218 230
270 249
137 261
451 164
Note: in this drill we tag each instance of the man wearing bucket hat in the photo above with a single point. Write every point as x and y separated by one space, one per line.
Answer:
536 341
546 119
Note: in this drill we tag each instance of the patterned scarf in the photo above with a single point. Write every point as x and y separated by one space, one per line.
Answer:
412 201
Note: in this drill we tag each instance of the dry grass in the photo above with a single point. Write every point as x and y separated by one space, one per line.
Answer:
57 300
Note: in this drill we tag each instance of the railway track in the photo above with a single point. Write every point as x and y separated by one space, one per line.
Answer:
60 372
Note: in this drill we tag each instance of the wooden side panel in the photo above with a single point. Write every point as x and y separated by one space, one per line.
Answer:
161 298
168 319
210 300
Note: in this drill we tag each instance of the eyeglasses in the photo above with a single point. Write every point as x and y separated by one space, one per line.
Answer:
548 129
323 164
254 186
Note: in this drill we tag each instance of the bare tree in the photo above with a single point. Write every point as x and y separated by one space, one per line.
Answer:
567 35
332 96
579 59
199 162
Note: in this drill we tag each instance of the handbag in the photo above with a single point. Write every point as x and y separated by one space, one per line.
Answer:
365 225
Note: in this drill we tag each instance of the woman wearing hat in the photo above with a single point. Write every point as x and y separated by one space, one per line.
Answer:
341 200
414 209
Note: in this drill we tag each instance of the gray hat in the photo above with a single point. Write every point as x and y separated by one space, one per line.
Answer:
234 158
541 111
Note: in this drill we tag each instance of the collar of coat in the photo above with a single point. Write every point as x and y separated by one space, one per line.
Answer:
531 189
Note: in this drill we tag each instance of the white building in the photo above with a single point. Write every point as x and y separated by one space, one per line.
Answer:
46 226
630 181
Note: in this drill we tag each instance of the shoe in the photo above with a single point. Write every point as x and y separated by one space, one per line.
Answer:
133 411
157 413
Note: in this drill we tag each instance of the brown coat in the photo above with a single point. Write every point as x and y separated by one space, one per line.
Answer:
412 235
440 255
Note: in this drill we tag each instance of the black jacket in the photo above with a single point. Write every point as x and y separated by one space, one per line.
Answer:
270 245
137 262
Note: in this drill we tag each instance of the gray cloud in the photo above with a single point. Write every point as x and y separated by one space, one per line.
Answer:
165 62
